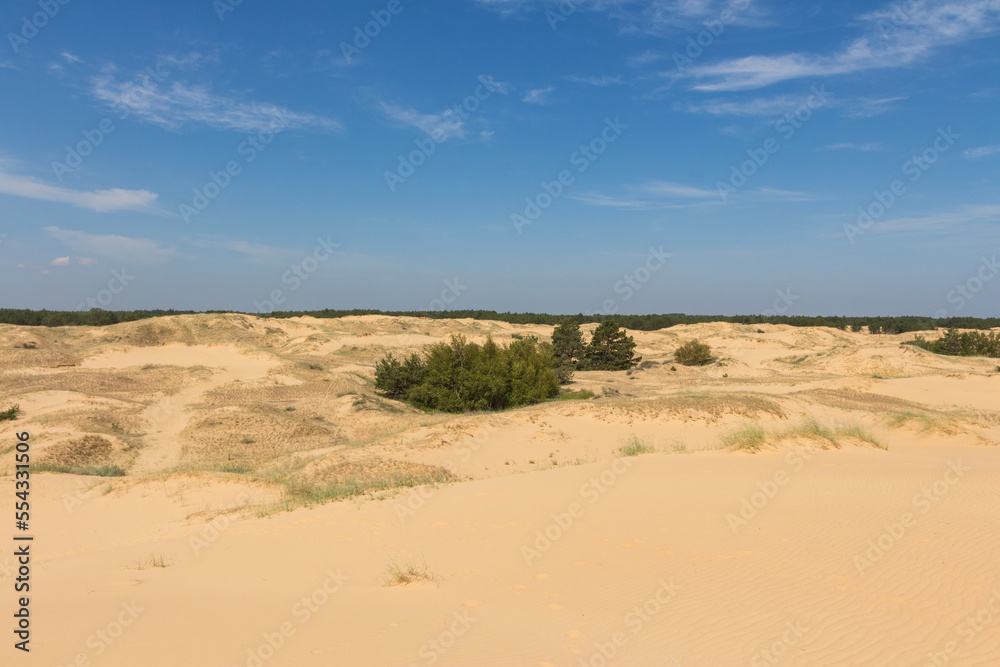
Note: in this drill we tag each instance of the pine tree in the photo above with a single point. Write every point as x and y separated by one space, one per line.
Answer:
610 349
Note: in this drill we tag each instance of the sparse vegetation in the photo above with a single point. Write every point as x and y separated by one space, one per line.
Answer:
154 560
693 353
411 573
11 413
94 471
747 437
581 395
634 447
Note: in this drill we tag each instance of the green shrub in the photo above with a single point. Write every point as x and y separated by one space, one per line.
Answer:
10 414
968 344
461 377
693 353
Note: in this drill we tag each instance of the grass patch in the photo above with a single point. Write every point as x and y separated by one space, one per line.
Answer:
403 575
925 421
11 413
582 395
235 468
634 447
93 471
679 448
859 432
749 437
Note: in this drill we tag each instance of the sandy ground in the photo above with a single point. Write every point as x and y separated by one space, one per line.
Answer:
876 544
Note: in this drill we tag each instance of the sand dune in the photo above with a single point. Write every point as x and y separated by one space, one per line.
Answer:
862 533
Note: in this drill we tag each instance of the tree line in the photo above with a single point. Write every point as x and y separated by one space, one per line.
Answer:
877 325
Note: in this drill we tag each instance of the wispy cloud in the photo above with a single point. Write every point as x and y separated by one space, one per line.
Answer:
870 146
928 28
760 106
60 261
122 248
982 151
595 80
538 96
69 57
175 104
669 195
942 222
646 16
101 201
439 126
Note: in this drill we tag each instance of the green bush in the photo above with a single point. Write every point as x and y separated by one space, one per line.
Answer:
10 414
693 353
461 376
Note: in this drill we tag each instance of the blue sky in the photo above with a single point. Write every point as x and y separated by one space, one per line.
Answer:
698 156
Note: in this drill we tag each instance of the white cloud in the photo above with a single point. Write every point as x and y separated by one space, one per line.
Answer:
101 201
69 57
870 146
669 189
761 106
648 16
439 126
596 80
122 248
927 28
176 104
538 96
86 261
940 222
982 151
60 261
